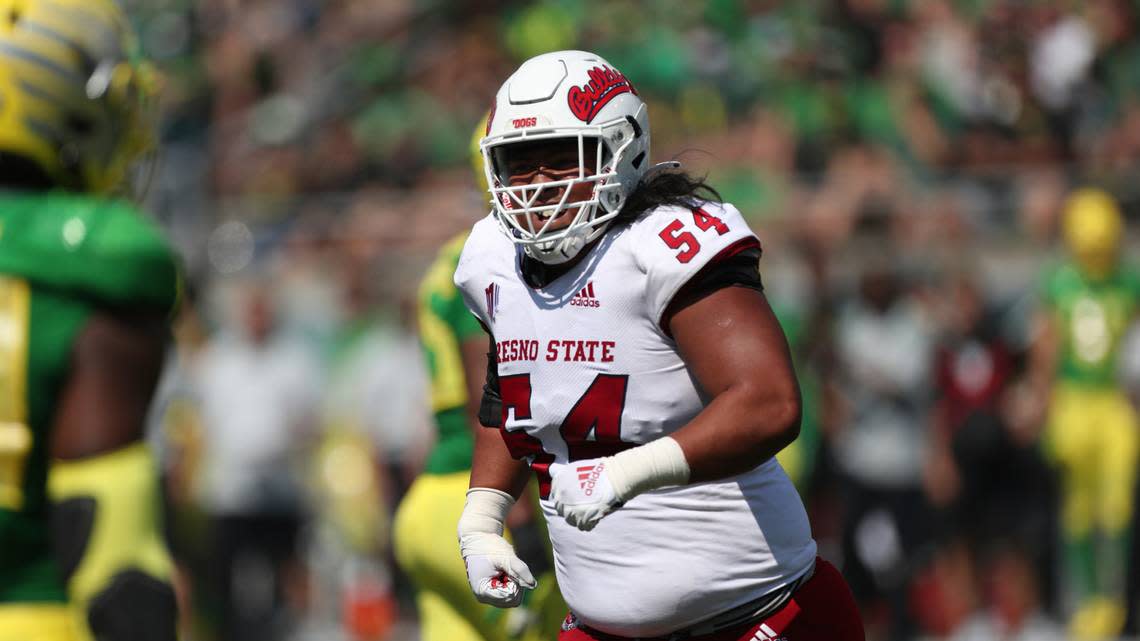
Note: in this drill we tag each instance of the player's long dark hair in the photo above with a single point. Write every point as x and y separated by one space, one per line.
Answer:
665 186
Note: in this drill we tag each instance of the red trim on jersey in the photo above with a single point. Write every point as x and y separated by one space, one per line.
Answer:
742 245
822 609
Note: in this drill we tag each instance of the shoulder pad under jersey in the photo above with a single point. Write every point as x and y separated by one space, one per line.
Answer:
100 249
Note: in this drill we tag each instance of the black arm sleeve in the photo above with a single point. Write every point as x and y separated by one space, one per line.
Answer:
491 406
739 270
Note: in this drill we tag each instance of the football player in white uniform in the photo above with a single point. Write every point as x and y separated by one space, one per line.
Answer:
642 377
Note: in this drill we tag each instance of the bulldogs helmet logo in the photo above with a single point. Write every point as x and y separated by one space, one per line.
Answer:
605 84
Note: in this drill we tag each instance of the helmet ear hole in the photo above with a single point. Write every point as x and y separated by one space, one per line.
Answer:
612 200
636 127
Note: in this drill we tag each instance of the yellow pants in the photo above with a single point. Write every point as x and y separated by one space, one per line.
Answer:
36 623
1092 436
428 551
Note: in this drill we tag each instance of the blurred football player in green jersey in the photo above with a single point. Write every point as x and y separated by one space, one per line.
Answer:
425 529
87 284
1091 429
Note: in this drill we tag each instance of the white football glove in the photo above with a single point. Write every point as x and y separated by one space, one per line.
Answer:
586 491
496 574
583 494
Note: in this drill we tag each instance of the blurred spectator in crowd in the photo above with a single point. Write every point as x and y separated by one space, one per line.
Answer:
258 393
174 431
884 350
378 386
1013 610
949 593
375 435
988 478
1088 302
945 594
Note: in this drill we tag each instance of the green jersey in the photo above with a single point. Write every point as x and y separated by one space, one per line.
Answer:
445 323
1093 317
62 257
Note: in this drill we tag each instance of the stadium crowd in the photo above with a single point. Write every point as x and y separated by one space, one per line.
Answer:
906 163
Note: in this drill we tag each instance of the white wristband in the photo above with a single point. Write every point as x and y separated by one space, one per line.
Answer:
647 467
485 511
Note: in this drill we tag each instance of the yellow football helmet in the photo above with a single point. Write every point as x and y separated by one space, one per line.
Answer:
475 154
75 97
1092 229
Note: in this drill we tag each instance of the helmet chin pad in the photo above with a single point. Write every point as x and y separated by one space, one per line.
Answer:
557 252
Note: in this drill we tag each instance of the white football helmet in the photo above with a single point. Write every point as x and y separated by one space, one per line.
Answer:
567 95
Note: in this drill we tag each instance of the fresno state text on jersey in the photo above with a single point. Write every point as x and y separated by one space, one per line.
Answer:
568 350
579 382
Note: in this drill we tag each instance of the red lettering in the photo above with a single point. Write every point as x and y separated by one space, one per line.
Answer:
579 352
675 238
516 350
604 84
567 345
552 351
516 393
607 355
598 411
592 345
706 221
591 429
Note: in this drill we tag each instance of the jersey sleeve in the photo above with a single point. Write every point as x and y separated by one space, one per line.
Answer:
477 291
103 250
676 244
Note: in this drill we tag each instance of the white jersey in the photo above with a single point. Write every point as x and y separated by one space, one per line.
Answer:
585 370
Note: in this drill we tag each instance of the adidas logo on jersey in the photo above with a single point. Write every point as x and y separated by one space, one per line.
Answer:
765 633
586 297
588 476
